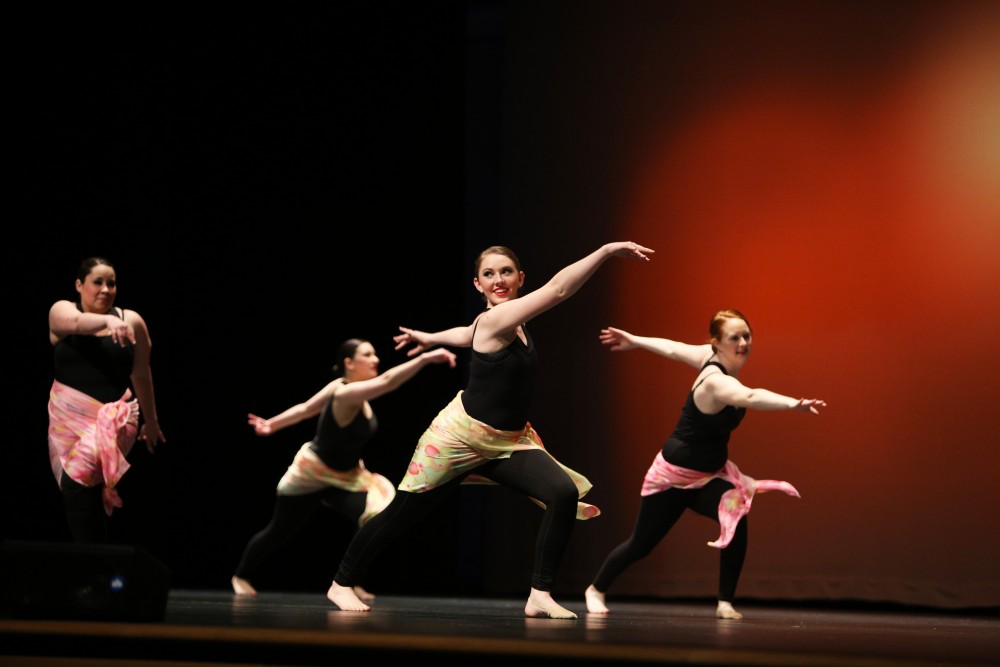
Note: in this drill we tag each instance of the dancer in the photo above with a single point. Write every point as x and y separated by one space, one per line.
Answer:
483 434
101 355
693 470
328 469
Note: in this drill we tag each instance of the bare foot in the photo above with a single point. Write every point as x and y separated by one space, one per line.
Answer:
242 587
540 603
595 601
345 598
363 595
725 610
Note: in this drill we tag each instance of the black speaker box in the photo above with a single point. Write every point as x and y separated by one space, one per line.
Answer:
94 582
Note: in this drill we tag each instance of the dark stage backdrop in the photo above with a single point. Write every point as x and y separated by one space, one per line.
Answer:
268 184
271 183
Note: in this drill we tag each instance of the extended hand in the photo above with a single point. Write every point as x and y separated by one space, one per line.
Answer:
260 425
810 405
441 356
617 339
629 249
411 336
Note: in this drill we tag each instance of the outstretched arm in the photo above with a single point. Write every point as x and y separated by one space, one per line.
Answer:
730 391
350 394
358 392
294 414
621 340
503 318
454 337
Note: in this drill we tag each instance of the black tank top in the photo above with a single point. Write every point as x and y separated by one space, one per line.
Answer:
502 384
700 441
95 365
341 448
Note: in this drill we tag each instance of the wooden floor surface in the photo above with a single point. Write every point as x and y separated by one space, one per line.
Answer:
201 628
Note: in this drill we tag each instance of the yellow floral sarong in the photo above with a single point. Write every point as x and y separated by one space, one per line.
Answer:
455 443
308 474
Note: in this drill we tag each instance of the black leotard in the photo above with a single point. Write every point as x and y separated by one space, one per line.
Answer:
700 441
341 448
501 384
95 365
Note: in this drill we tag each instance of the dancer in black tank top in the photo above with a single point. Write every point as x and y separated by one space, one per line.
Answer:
329 470
696 455
484 431
101 356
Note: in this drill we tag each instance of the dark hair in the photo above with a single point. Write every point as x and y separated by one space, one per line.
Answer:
87 265
346 351
715 326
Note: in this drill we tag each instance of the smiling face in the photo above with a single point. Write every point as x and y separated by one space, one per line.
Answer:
98 289
498 277
732 345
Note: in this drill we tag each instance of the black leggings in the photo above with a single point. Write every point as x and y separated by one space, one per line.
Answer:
84 510
657 515
290 514
531 472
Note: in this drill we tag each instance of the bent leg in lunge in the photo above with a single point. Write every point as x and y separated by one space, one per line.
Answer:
537 475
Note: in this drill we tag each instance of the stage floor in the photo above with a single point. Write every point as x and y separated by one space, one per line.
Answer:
217 628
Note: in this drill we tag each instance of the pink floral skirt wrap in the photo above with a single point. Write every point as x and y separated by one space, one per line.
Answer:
89 440
455 443
308 474
734 504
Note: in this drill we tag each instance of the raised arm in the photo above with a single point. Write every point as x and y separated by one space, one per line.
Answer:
296 413
454 337
363 390
728 390
352 394
564 284
621 340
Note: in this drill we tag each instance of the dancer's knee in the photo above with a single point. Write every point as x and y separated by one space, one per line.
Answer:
564 492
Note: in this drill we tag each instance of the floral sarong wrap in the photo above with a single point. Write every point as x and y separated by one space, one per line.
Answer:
308 474
734 504
455 443
89 440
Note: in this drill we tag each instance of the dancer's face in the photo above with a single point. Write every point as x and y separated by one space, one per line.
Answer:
98 290
733 347
498 279
364 364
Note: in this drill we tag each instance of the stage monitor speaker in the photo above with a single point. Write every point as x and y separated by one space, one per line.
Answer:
94 582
